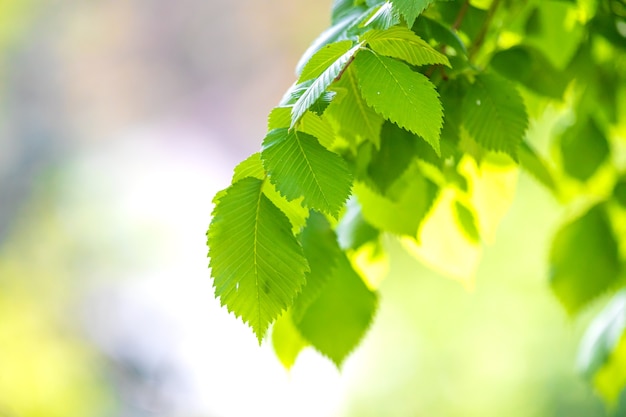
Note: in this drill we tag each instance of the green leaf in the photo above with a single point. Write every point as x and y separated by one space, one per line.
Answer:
321 83
321 250
495 114
353 118
323 59
353 231
584 148
300 167
403 209
253 167
529 67
338 319
257 264
287 340
536 166
402 43
410 9
584 260
467 221
401 95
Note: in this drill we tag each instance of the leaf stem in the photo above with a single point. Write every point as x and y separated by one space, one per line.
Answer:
460 16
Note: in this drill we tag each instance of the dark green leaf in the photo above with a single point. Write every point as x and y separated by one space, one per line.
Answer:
257 264
467 221
619 191
584 260
300 167
431 29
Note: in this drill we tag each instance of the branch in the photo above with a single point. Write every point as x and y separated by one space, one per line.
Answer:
480 37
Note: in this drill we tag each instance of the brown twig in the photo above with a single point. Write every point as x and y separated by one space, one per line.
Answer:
480 37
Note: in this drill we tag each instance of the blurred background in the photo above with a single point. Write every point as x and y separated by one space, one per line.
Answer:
119 120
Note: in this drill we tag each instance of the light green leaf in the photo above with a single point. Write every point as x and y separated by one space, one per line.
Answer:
296 92
495 114
351 115
253 167
401 95
402 43
300 167
584 260
321 250
410 9
338 319
321 83
323 59
287 340
257 264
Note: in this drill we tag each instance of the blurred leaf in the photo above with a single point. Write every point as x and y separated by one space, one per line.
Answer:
433 30
584 260
619 191
583 149
535 165
338 319
353 231
405 206
287 341
529 67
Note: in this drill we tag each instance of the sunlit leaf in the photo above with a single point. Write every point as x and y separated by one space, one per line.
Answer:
323 59
300 167
401 95
257 265
287 341
402 43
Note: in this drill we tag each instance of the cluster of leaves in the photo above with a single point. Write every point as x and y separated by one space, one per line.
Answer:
407 112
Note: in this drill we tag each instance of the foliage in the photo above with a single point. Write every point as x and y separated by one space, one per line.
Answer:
411 118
